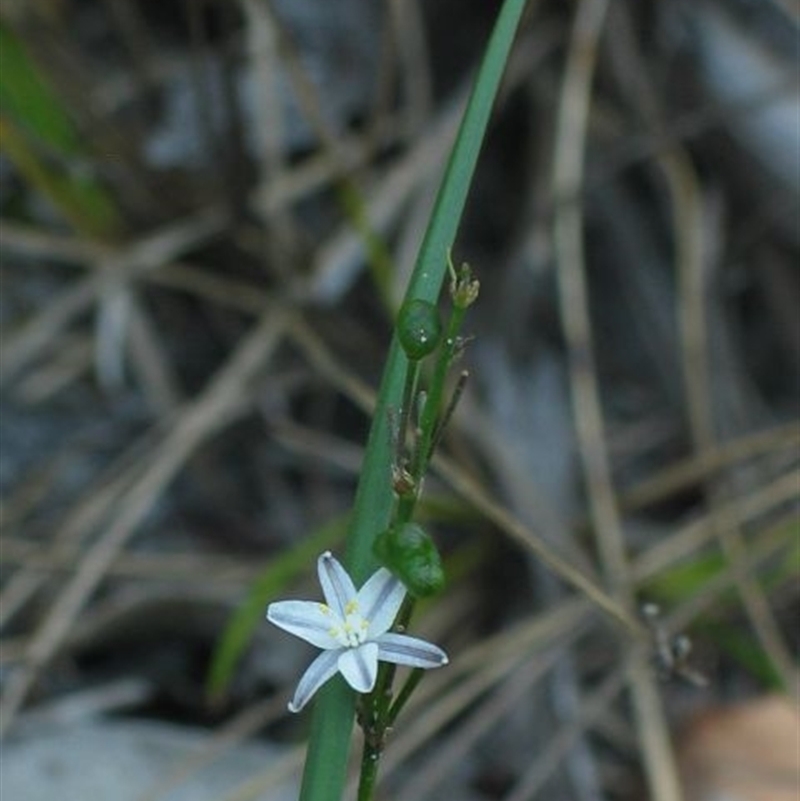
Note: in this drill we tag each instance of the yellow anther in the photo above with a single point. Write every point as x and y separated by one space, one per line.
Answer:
324 608
352 606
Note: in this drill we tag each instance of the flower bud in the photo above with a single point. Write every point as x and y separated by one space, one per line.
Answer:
463 287
418 328
411 555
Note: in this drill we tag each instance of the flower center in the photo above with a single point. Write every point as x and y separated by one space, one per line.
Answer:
353 630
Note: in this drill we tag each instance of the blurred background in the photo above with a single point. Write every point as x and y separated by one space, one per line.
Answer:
210 210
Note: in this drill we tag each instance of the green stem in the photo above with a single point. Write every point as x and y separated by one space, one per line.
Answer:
409 393
368 777
430 413
376 715
329 743
433 404
410 685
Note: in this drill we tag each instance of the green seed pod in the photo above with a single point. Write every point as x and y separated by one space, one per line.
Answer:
419 328
411 555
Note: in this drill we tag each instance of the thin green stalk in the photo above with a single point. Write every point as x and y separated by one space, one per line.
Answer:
368 777
410 685
326 761
377 707
409 393
430 412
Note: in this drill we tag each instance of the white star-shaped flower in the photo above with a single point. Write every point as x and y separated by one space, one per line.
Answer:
352 628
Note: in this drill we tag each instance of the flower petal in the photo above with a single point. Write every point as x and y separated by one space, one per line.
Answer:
404 650
310 621
337 586
359 666
317 673
379 601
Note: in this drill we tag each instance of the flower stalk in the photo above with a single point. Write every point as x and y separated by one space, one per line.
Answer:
325 766
404 547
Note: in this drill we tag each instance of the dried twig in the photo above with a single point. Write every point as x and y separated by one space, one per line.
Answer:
568 243
694 256
21 347
225 396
